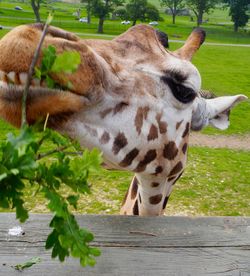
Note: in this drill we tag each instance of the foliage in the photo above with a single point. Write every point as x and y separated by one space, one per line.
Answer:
22 162
139 10
174 6
67 62
199 7
102 8
238 12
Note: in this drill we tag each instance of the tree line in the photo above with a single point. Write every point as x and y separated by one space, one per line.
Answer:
142 10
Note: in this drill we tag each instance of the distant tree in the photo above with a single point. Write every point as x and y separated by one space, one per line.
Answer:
102 8
151 13
88 9
139 10
199 7
174 6
122 14
136 10
238 12
35 4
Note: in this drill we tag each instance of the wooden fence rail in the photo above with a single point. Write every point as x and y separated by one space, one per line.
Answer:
136 246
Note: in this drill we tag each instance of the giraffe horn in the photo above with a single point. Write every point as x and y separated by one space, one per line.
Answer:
192 44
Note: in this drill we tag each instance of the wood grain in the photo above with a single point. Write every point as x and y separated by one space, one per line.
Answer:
136 246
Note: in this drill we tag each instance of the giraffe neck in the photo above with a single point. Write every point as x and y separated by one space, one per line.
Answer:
148 195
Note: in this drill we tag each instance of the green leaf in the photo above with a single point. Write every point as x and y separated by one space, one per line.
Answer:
83 261
65 241
67 62
91 261
27 264
3 176
50 82
95 251
38 73
21 212
72 200
51 239
49 57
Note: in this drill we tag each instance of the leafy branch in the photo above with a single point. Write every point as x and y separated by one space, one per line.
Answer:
23 161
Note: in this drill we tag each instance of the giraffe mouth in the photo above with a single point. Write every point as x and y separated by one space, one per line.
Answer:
41 100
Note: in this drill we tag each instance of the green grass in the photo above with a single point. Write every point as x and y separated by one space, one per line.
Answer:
219 28
216 183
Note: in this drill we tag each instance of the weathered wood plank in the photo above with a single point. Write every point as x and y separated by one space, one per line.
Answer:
138 261
137 246
145 232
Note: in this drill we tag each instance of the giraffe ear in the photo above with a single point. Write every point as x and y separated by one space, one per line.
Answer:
220 110
214 112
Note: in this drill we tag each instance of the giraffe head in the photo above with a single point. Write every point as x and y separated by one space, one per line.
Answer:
130 97
134 63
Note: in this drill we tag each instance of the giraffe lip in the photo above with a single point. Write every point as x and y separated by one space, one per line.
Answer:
9 90
12 93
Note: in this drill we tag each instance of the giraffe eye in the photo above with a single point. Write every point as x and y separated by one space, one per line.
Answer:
181 92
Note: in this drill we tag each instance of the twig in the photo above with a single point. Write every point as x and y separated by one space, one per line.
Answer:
30 74
46 122
73 152
42 155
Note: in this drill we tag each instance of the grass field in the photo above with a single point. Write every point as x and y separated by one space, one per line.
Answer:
219 27
216 181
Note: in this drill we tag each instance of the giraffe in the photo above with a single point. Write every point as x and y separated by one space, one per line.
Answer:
130 97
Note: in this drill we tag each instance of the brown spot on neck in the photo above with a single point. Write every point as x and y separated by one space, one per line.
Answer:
155 184
184 148
177 168
134 188
119 142
178 124
155 199
158 169
153 133
177 178
149 157
186 131
165 202
171 178
136 209
128 159
141 115
162 125
170 151
105 138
